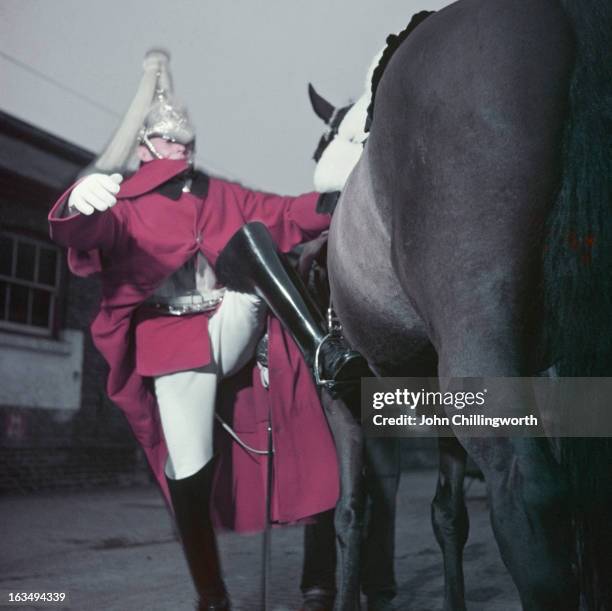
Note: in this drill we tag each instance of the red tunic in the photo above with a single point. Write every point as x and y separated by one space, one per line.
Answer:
134 246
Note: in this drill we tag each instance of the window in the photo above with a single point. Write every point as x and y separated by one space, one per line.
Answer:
29 283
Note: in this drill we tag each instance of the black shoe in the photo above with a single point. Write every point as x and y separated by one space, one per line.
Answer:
214 604
318 599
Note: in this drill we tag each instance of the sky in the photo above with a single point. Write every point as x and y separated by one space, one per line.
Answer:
71 67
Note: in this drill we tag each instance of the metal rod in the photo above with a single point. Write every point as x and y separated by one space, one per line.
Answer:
267 537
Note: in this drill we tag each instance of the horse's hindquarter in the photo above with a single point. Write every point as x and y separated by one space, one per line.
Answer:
464 146
376 315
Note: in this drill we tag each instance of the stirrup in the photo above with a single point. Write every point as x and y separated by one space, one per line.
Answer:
317 365
334 329
335 387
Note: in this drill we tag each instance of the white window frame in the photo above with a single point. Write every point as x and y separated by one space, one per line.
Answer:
12 279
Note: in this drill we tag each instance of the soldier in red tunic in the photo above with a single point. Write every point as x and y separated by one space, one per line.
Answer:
171 331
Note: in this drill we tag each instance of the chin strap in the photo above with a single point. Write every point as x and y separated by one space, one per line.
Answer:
150 147
189 148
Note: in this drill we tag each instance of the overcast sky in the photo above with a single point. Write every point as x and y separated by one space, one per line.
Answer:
71 67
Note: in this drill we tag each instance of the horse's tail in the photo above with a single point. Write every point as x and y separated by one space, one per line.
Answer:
578 280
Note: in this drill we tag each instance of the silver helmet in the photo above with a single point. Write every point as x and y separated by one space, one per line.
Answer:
167 119
153 112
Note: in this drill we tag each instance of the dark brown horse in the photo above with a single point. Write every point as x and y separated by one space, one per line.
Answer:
489 158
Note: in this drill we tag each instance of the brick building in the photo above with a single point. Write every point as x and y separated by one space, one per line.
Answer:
57 428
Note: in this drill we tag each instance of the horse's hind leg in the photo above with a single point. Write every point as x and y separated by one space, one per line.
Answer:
382 475
530 520
450 519
349 515
527 496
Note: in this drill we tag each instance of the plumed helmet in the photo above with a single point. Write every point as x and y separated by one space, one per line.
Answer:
153 112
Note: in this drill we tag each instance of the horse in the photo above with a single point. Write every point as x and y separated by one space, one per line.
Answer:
336 154
488 158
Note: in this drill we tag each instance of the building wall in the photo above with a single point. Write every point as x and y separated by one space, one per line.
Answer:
57 428
42 362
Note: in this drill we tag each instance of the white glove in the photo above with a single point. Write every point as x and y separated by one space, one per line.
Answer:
95 192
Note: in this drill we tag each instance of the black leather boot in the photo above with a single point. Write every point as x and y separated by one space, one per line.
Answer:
250 263
190 500
318 599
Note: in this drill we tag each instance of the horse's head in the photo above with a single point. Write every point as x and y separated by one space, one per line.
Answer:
341 145
330 115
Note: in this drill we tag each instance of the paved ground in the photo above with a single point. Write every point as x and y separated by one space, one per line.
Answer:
115 550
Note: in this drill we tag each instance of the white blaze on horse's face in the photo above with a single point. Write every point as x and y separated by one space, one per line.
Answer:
343 152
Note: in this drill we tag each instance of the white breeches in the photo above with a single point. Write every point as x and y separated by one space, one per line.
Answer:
186 399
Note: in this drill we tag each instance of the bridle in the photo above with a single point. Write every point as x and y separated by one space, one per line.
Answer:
333 125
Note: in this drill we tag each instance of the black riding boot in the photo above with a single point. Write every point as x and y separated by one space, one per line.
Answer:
190 499
250 263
